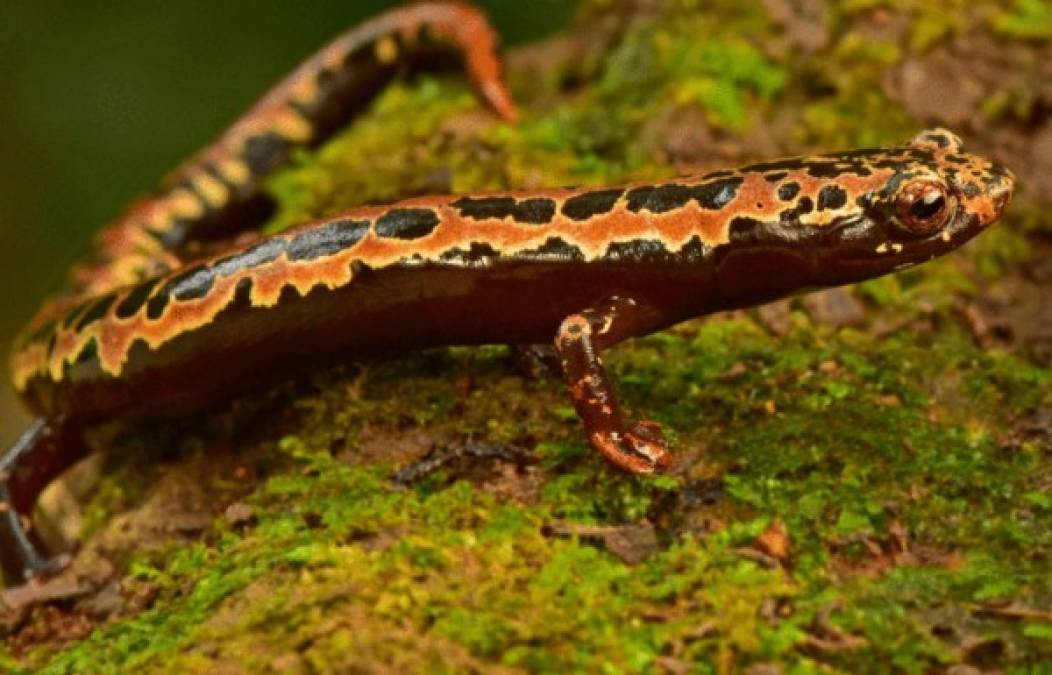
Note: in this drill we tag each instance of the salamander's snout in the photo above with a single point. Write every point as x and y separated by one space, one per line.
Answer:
1001 188
987 192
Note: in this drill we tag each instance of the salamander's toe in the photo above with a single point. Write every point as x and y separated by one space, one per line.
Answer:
641 450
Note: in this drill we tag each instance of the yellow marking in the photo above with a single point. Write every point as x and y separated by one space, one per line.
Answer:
387 50
883 248
897 248
334 59
235 171
185 204
946 236
211 189
305 91
293 126
160 220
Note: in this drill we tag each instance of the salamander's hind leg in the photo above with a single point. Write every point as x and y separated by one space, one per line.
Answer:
640 448
43 452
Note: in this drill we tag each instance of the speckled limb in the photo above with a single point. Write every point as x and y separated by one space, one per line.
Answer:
640 448
44 451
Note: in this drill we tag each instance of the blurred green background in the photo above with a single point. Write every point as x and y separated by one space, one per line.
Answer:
99 100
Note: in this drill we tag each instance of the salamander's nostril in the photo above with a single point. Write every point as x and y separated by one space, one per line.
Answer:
1001 194
1001 187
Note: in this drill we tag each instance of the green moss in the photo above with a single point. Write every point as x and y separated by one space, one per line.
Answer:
1027 19
726 76
887 454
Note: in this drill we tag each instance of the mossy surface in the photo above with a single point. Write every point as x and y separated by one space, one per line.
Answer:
863 498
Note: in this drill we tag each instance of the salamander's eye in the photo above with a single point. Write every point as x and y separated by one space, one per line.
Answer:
923 207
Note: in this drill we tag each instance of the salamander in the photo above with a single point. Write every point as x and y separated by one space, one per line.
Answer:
151 328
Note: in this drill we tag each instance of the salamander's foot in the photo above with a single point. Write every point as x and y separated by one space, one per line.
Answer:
46 449
22 558
641 450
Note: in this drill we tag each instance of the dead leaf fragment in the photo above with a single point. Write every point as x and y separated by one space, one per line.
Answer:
775 541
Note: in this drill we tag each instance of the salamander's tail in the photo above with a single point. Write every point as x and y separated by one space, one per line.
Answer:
43 452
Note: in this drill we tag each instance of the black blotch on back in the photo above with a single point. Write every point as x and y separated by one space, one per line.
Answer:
71 316
485 207
584 206
831 197
157 304
713 195
260 254
327 239
134 301
407 223
658 198
775 176
825 170
716 195
788 191
193 284
263 152
534 211
97 311
806 206
639 250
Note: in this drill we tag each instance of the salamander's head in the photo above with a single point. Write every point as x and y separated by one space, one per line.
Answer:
865 213
936 198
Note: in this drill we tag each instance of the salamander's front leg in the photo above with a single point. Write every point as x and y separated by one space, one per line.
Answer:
44 451
640 448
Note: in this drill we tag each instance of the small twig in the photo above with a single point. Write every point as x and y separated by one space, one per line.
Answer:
1014 611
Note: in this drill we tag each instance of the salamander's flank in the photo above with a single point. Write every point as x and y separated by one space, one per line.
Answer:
585 268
